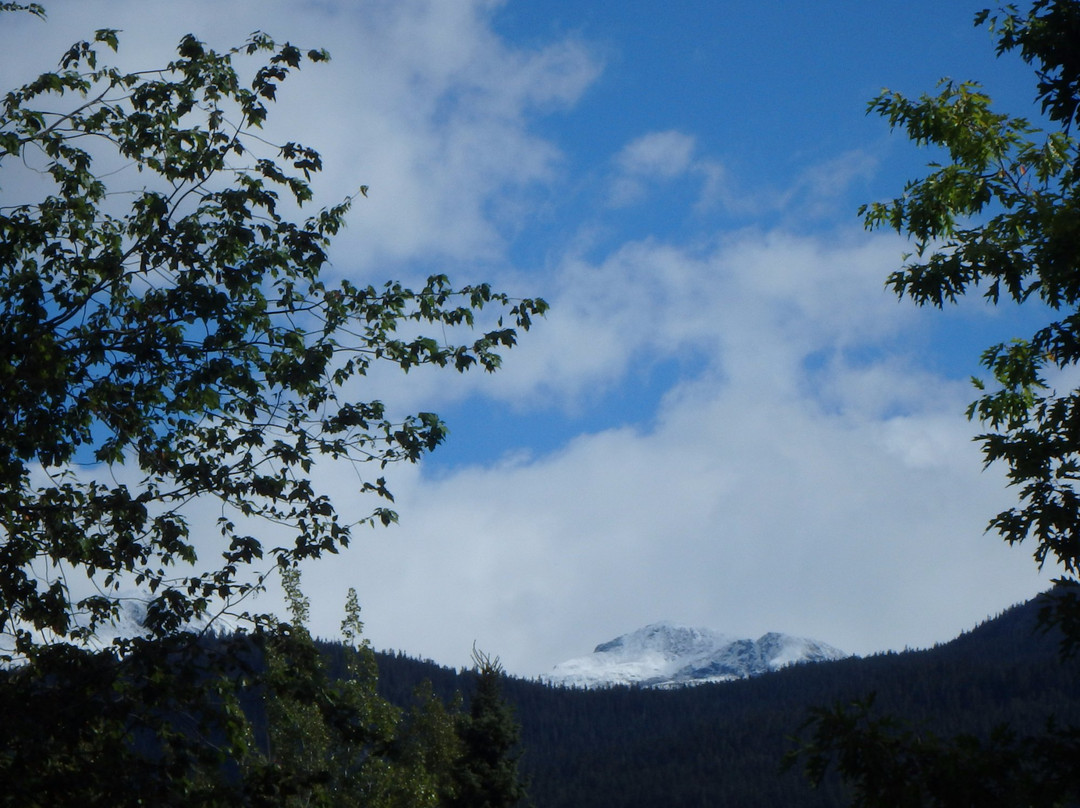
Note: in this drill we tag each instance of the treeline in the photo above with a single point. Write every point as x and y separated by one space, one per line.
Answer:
271 718
415 724
723 744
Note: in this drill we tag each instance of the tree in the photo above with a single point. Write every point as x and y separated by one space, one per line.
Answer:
333 740
887 763
171 340
174 328
1000 215
486 775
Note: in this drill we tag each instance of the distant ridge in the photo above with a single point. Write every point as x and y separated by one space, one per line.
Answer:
665 655
637 747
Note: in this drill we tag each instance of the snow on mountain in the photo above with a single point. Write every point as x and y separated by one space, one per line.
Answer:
666 655
130 622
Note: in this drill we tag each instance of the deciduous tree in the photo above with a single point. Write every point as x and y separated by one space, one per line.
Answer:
171 334
999 216
174 341
334 741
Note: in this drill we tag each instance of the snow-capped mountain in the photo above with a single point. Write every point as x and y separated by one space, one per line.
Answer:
130 621
667 655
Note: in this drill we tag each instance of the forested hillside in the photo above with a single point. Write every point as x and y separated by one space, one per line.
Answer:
723 744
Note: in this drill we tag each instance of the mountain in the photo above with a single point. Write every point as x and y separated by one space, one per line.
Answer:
130 621
722 744
664 655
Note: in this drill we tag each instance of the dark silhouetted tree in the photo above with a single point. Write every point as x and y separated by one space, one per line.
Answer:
486 774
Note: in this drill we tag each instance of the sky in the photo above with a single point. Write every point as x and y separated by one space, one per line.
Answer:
725 420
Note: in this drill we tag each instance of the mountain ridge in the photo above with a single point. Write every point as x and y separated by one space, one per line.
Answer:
665 655
721 744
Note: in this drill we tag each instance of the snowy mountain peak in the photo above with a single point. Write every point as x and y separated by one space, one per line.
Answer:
666 638
668 655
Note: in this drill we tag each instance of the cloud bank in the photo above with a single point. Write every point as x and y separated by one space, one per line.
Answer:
804 466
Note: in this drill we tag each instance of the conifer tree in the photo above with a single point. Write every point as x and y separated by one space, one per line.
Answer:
487 772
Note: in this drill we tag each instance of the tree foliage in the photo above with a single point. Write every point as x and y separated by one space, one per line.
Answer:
333 740
174 342
999 215
886 762
170 335
31 8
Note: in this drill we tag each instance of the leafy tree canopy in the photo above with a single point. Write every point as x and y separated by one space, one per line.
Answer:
999 215
172 343
169 336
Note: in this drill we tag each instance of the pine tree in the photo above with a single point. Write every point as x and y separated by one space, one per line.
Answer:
487 775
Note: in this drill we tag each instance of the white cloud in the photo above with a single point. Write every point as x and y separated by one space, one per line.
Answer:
435 114
738 511
662 157
754 304
658 154
653 157
785 484
767 494
839 497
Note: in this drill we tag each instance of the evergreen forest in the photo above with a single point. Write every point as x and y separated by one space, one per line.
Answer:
725 744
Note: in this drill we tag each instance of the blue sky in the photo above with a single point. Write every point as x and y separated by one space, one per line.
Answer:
766 100
725 420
